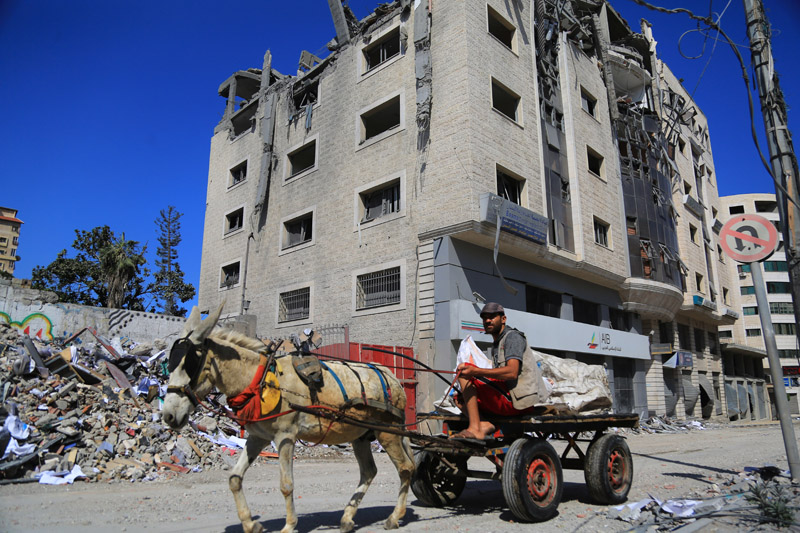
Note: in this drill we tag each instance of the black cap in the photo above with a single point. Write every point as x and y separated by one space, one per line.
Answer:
492 308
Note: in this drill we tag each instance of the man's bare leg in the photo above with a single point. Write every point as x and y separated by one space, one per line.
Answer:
477 427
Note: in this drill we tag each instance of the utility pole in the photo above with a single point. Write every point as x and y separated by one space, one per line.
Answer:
779 140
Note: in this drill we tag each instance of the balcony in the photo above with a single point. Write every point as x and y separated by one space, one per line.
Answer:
693 205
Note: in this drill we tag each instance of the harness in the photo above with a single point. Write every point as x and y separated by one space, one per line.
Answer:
183 350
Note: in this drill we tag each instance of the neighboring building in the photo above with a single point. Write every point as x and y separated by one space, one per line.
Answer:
743 343
367 190
9 239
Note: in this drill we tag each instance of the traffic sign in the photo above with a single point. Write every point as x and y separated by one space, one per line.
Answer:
748 238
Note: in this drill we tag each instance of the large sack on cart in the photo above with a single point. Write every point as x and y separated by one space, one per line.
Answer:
581 387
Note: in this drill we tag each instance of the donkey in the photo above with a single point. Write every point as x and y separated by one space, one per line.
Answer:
203 359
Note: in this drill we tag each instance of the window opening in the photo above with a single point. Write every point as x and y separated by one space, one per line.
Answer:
595 162
601 232
230 275
303 159
542 301
380 119
500 28
585 312
381 202
509 187
234 220
377 289
382 50
238 174
294 305
736 209
504 100
298 231
588 102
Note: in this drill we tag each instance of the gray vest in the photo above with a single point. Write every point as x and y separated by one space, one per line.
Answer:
529 389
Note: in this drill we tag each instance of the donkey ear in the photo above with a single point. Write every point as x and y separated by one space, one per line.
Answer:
202 330
193 321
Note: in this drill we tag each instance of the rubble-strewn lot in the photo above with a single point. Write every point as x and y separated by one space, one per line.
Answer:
93 425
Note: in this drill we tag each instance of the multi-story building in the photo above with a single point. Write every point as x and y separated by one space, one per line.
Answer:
9 239
743 343
534 154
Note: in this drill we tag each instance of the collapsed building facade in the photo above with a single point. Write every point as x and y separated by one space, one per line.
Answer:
537 154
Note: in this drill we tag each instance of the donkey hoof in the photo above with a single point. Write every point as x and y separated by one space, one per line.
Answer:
255 527
391 523
345 526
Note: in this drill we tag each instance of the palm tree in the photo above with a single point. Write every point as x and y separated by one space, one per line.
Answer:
119 263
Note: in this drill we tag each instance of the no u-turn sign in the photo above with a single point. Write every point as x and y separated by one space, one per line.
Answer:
748 238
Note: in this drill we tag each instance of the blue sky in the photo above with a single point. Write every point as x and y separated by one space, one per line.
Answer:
109 106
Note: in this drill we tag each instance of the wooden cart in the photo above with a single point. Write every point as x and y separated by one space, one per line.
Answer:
527 465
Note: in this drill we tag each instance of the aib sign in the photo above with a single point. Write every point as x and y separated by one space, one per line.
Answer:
602 341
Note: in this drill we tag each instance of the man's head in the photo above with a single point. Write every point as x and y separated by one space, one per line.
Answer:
494 318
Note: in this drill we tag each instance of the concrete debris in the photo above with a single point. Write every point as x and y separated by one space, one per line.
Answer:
755 495
79 415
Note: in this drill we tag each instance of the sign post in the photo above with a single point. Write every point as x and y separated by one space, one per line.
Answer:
751 239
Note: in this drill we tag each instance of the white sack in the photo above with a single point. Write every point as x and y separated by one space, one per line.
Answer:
581 387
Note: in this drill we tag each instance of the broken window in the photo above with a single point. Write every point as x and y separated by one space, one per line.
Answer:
229 275
381 202
509 187
647 254
380 119
595 162
382 50
294 305
499 27
298 231
682 146
377 289
238 174
234 220
505 100
588 102
725 296
302 159
244 121
766 206
601 232
693 233
720 254
630 223
736 210
698 282
306 94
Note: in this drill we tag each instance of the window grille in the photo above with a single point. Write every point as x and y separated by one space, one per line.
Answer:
294 305
378 288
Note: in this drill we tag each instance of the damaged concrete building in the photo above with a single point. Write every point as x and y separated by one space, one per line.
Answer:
534 153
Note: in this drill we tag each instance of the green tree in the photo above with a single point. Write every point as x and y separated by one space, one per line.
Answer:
101 262
169 286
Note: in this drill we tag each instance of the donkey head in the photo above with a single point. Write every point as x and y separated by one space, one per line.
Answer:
187 360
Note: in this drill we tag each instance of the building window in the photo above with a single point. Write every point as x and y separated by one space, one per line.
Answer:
305 94
620 320
601 232
683 336
501 29
725 334
588 102
725 296
595 163
750 310
377 289
665 332
693 233
766 206
699 340
382 50
234 221
542 301
237 174
298 230
720 254
775 266
380 202
742 269
784 329
747 290
781 308
778 287
505 101
682 145
294 305
755 332
736 210
302 159
713 344
229 275
3 240
585 312
510 187
381 120
786 354
698 280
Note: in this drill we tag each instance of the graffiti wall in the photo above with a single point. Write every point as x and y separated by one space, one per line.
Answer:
37 314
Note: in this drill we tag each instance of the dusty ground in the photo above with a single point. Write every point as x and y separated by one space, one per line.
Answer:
666 466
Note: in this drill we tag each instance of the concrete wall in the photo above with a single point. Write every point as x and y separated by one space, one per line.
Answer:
38 314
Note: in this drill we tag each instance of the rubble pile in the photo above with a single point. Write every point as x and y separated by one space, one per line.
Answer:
92 410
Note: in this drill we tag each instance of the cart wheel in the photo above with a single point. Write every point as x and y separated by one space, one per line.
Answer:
435 482
608 469
532 480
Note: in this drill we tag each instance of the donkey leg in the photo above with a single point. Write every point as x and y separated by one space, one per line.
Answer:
286 444
400 453
252 449
367 469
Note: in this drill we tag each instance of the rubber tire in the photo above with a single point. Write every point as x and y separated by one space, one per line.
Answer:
526 496
434 483
608 470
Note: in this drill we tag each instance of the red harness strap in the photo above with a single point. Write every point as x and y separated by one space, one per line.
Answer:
247 404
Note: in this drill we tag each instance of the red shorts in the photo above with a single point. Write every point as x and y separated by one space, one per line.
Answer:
494 397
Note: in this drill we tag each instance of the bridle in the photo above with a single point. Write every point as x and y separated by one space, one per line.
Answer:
184 350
